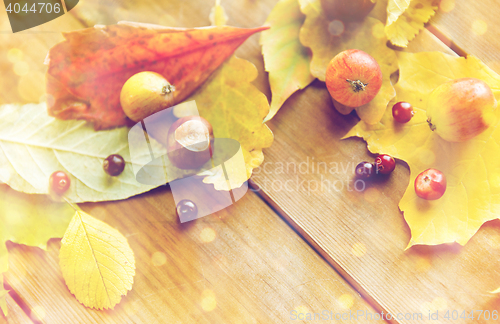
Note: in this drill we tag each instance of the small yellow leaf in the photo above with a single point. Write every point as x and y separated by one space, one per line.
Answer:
285 58
218 15
326 41
96 261
235 108
472 170
3 295
406 18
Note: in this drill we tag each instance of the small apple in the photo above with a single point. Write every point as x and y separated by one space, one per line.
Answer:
353 78
144 94
347 10
430 184
461 109
189 142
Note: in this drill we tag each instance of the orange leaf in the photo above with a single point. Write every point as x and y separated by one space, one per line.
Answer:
87 71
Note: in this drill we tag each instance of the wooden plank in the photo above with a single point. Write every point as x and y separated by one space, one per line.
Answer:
363 233
473 27
240 265
16 315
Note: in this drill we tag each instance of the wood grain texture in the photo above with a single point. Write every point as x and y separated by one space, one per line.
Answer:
16 314
361 231
473 27
245 262
257 269
241 265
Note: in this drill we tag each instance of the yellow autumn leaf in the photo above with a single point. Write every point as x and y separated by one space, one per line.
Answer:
96 262
3 296
218 15
319 35
472 170
285 58
406 18
235 108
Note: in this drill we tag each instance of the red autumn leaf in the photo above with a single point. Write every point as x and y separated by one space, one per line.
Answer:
87 71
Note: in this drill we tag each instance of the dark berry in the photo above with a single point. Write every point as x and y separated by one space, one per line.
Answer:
365 170
59 182
402 112
385 164
187 209
114 165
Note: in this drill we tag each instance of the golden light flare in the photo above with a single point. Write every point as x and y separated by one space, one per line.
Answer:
440 303
208 301
31 86
447 5
158 259
358 249
15 55
21 68
302 309
346 301
207 235
479 27
38 312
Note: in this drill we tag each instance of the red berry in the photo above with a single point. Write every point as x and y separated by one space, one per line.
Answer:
59 182
385 164
365 170
114 165
430 184
353 78
402 112
187 209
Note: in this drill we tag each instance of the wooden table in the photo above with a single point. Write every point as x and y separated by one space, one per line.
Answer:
276 253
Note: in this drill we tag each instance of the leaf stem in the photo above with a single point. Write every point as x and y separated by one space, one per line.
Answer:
70 203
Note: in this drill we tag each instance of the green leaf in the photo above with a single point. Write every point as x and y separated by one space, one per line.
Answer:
96 262
34 145
30 220
285 58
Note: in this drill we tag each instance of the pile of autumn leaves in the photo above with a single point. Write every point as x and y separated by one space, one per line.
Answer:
311 42
296 49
